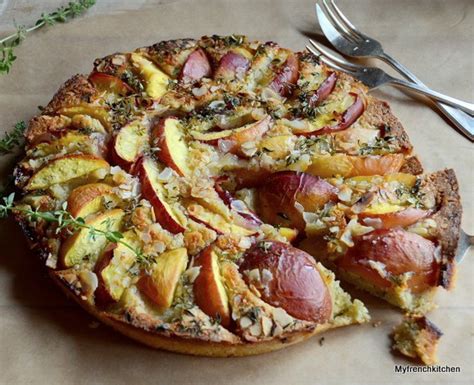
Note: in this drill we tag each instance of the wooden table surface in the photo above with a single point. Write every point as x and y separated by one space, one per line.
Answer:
45 339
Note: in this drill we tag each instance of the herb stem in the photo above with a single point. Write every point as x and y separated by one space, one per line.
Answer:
39 24
77 224
61 15
12 139
65 220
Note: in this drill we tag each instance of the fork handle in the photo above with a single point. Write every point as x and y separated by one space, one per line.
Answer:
467 107
463 122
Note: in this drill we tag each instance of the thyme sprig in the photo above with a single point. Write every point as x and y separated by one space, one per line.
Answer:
12 139
65 221
61 15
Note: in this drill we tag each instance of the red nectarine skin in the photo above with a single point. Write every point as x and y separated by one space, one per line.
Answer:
287 77
400 251
349 116
324 90
231 64
295 282
196 66
228 198
166 145
277 197
400 218
161 213
114 158
206 292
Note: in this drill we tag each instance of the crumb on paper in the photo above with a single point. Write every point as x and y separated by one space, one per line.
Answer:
417 337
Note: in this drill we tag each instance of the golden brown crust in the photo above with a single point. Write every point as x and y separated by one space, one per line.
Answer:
448 216
189 345
412 165
379 114
75 91
43 127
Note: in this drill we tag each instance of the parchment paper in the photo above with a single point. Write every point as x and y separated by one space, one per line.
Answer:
45 339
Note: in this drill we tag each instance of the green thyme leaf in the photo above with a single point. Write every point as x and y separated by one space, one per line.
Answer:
65 221
61 15
12 139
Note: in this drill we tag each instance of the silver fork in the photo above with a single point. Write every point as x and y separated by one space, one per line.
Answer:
376 77
348 40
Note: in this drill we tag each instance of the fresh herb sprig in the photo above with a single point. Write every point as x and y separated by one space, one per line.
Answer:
12 139
65 220
61 15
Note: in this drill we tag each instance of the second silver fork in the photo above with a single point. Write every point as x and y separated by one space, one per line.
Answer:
348 40
376 77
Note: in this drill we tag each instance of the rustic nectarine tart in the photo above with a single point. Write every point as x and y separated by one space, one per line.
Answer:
203 196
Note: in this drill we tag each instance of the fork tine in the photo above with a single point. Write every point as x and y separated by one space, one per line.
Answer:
343 17
326 52
333 19
327 61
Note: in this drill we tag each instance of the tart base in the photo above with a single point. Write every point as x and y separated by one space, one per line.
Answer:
193 346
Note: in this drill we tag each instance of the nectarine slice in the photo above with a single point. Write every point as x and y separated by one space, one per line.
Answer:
72 140
102 296
281 191
113 267
328 166
235 138
131 140
400 218
343 121
251 132
233 64
216 221
345 165
376 164
110 83
168 136
63 169
90 198
323 91
160 284
196 66
155 79
286 77
287 277
97 112
393 252
209 291
238 206
81 245
152 189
